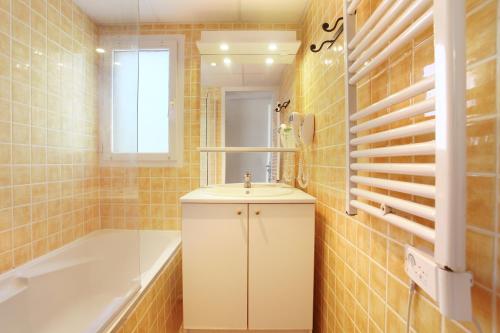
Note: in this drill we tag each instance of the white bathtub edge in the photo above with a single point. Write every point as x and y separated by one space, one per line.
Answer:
146 278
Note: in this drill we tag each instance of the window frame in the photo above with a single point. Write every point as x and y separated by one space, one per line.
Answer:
175 45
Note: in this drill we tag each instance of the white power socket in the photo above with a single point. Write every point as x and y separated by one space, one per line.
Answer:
451 290
421 268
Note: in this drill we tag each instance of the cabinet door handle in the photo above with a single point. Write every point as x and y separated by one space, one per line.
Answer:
239 212
257 212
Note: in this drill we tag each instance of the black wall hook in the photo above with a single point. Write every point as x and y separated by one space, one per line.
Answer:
326 25
282 106
336 35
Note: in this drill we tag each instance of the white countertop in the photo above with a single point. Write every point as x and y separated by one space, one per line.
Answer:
203 195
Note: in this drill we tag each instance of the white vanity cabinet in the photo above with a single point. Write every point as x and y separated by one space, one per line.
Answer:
280 266
215 265
248 266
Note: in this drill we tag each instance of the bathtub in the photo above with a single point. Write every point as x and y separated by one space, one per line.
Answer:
86 285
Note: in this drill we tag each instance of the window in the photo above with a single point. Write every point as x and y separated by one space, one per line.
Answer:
143 110
140 109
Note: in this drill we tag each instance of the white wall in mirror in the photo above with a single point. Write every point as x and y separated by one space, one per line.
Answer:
248 123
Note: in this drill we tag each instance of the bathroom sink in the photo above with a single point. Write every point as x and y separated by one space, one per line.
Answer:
257 190
237 193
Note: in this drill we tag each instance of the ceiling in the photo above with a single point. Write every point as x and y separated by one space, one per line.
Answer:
199 11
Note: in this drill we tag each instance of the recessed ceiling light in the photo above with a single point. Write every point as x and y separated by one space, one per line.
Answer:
269 61
224 47
227 61
100 50
272 47
213 64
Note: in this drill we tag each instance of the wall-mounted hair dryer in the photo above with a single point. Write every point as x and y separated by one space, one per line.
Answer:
303 128
303 131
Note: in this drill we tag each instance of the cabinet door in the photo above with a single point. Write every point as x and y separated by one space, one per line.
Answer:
280 266
214 265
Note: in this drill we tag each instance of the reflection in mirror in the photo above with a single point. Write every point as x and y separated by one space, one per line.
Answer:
249 123
244 76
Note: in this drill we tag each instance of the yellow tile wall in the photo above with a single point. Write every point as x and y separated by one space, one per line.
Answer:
49 175
159 308
48 128
360 284
148 198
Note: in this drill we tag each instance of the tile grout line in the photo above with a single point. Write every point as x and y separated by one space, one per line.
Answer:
496 239
32 252
11 143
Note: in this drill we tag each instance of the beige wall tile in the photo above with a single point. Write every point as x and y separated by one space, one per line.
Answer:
498 311
481 145
377 245
498 266
481 202
5 64
425 316
481 33
483 311
481 89
23 122
394 323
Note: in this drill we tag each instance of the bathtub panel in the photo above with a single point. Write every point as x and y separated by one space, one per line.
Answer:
84 286
159 307
14 302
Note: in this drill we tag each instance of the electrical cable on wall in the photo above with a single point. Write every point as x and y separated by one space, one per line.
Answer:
303 130
477 325
303 173
413 286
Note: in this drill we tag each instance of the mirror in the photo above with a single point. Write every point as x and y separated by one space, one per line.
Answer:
246 94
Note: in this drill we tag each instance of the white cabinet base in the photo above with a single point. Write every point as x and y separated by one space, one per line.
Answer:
214 265
280 266
248 267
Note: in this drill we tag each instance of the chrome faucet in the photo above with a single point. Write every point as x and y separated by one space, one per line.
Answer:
248 178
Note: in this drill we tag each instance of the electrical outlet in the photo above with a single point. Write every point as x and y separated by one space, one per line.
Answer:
421 268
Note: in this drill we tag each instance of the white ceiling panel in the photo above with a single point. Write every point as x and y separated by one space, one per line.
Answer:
279 11
193 11
110 11
189 10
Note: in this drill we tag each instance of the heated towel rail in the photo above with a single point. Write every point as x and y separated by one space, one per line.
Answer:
433 211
